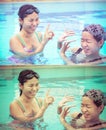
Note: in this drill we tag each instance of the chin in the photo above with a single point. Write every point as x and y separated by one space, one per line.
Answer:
87 119
88 54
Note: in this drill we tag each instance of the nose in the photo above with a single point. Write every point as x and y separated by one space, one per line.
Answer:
35 22
35 88
84 43
83 109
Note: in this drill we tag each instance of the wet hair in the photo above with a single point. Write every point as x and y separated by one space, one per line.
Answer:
25 10
96 30
96 96
25 75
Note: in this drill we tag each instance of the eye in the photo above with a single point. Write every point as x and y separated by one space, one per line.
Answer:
36 19
82 40
88 106
88 41
37 84
82 105
31 85
31 20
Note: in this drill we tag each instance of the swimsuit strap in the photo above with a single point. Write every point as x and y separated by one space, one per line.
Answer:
73 56
97 124
21 105
78 51
21 40
24 43
100 58
39 104
78 116
39 38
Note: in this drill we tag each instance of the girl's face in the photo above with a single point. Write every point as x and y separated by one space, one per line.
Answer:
90 111
89 44
30 22
30 87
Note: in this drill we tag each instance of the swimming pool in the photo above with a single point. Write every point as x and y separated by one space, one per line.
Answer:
62 80
61 15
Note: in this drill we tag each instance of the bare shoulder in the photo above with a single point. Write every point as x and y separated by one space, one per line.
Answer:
15 43
15 108
13 104
13 39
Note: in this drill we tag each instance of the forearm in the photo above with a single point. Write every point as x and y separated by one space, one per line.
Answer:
25 119
41 112
66 60
66 125
40 48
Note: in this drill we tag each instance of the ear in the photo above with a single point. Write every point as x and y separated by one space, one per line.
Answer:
20 86
100 108
20 21
101 42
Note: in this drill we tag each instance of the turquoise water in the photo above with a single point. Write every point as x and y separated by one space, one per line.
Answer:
60 80
60 15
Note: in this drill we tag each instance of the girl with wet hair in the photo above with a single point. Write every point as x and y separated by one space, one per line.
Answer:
28 44
92 105
26 10
92 40
28 108
25 75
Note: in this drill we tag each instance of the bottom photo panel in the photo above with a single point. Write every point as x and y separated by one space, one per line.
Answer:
52 97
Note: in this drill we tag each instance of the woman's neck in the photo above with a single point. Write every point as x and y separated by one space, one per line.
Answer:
23 98
25 34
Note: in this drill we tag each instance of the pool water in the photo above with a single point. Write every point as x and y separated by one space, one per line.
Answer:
61 16
61 81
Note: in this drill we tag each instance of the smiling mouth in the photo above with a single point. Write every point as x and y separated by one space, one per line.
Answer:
33 93
86 50
33 29
86 116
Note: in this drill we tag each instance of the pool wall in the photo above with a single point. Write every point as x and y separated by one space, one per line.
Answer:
55 71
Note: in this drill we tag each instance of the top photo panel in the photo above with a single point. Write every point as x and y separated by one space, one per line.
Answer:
71 32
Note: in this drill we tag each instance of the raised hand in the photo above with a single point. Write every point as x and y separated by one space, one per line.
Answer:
63 102
64 112
65 34
48 34
48 99
66 46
